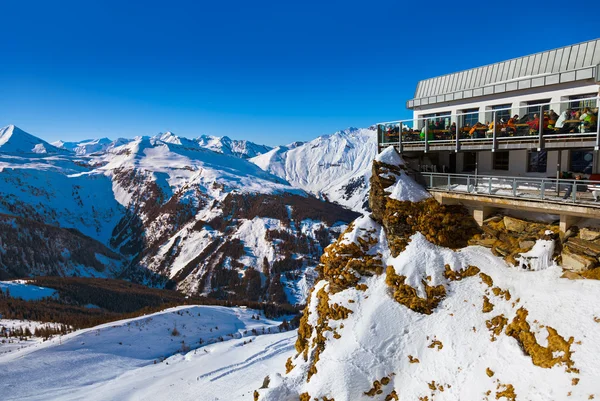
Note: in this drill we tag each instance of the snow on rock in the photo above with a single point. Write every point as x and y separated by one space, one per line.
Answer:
390 156
336 167
539 257
404 188
137 356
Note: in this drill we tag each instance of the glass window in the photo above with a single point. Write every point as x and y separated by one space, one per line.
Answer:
470 118
469 161
577 104
537 161
533 108
441 119
582 161
501 114
501 161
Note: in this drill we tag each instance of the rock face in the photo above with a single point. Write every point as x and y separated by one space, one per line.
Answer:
575 262
589 234
449 226
515 225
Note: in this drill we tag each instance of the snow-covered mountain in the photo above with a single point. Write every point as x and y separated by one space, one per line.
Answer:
335 167
240 148
212 223
15 140
89 146
225 145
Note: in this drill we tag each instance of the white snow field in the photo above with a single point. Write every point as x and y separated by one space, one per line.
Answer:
116 361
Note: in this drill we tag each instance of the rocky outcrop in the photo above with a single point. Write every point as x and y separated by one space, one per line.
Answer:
445 225
509 237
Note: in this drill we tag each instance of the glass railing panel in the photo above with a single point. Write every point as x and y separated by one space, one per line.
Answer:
411 131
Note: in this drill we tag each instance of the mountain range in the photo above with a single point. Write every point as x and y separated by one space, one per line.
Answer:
210 216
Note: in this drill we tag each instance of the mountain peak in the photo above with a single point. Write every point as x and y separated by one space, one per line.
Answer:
15 140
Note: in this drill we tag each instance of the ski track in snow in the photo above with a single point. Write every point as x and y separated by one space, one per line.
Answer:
278 347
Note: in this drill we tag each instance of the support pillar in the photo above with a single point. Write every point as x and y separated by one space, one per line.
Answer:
566 222
480 213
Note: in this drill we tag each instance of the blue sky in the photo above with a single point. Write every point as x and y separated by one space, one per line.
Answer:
269 71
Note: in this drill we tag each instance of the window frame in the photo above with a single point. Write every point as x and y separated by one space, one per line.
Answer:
468 114
533 107
501 114
537 166
589 164
577 99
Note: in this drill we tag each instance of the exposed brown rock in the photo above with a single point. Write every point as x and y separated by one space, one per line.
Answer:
589 234
508 392
459 275
576 262
558 351
487 305
407 295
515 225
581 246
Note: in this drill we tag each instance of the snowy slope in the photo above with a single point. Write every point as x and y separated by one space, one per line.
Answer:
117 360
336 167
15 140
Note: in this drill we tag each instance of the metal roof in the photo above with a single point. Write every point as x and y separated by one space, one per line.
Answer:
566 64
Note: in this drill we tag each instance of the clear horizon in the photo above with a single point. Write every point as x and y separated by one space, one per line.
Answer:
268 72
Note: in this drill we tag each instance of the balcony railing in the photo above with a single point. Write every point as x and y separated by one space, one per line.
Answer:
572 191
499 128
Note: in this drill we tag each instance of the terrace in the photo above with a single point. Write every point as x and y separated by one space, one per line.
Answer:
568 199
497 131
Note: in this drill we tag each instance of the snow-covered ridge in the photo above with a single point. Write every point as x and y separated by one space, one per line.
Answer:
15 140
240 148
91 146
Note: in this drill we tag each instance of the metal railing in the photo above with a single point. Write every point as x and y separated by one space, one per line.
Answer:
498 126
525 188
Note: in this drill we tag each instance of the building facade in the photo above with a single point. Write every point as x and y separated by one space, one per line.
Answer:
559 79
533 119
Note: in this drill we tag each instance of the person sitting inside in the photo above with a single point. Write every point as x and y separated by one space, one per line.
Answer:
452 129
511 125
474 132
490 132
553 116
534 125
560 121
588 120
